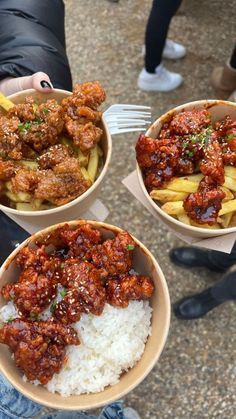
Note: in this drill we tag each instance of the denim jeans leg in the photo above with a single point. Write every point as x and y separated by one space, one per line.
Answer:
15 405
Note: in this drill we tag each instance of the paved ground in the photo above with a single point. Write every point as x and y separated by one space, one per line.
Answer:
195 377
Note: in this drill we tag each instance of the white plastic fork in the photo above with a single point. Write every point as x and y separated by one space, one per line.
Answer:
122 118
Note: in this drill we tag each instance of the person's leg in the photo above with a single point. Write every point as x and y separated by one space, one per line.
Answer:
223 78
155 77
156 31
191 257
196 306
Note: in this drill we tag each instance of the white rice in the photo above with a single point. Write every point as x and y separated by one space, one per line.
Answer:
8 312
110 344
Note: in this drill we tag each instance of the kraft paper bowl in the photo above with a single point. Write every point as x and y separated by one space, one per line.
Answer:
218 110
145 264
73 209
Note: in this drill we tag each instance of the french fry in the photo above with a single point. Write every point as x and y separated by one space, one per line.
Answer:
182 184
83 158
233 221
23 206
230 183
93 163
37 203
230 171
5 103
19 196
184 219
173 208
166 195
100 152
85 174
227 207
228 194
225 219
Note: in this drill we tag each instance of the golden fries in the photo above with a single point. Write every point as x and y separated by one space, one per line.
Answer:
93 163
5 103
176 190
230 171
173 208
182 184
184 219
166 195
225 219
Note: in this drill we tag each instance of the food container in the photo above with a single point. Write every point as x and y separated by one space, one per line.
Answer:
218 110
73 209
144 263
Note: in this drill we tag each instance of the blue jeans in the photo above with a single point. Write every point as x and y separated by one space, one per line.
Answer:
14 405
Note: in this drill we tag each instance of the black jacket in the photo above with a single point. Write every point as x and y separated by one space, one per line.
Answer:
32 38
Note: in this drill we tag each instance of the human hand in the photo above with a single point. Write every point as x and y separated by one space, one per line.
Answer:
38 81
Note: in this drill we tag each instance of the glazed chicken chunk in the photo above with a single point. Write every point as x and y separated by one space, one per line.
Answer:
120 290
38 347
114 257
85 292
63 183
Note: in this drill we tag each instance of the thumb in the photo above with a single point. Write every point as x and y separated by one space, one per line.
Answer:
38 81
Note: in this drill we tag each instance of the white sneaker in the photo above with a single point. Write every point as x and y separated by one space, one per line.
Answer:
130 413
162 80
173 50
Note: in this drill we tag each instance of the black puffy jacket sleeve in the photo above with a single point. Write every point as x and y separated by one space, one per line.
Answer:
32 38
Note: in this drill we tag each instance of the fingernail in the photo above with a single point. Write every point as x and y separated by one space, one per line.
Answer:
45 84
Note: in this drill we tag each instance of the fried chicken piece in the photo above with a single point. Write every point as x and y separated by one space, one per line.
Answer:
190 122
10 142
31 257
156 153
7 169
158 158
185 166
50 265
226 124
32 294
76 273
229 147
84 136
25 180
124 288
154 177
24 111
63 183
114 256
90 94
81 241
212 163
204 206
38 347
54 155
44 129
86 293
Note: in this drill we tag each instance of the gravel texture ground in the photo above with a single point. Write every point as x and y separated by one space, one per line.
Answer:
195 377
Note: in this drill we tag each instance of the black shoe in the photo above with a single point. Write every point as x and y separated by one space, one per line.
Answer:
195 306
191 257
